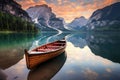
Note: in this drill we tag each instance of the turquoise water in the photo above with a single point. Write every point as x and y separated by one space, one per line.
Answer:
88 56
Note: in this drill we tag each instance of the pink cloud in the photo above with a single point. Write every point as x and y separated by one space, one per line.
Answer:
70 10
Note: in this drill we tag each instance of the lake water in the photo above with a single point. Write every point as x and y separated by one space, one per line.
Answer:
88 56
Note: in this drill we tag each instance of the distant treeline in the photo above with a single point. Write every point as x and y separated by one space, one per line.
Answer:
9 22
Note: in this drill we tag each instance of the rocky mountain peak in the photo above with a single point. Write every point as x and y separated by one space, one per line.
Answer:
43 15
77 23
12 7
110 12
80 17
107 16
39 11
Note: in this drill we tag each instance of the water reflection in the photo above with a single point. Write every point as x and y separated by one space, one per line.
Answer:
48 69
11 48
3 76
46 38
78 39
89 57
106 45
82 64
18 71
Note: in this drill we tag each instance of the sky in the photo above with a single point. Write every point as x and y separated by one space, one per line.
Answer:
69 9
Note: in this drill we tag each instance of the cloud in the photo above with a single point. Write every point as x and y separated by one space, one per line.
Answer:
36 0
18 70
90 74
69 9
71 72
28 3
108 70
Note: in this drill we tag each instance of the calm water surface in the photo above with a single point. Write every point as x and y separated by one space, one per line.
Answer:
88 56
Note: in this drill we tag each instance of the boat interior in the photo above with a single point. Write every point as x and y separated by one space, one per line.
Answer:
49 47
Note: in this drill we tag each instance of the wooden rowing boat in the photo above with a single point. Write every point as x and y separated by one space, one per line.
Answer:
44 53
48 69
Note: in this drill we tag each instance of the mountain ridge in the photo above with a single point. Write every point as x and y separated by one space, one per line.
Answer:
14 19
45 18
107 18
77 24
12 7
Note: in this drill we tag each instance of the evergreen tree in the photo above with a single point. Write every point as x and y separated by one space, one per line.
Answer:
9 22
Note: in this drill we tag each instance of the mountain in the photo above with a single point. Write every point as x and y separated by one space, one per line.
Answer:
77 24
14 19
107 18
45 18
11 7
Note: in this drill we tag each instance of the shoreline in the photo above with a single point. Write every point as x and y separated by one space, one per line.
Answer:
9 32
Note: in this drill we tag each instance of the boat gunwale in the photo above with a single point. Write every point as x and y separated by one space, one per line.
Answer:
46 52
62 47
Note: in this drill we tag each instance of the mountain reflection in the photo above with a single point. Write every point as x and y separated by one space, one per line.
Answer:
48 69
46 38
11 48
106 45
78 40
81 63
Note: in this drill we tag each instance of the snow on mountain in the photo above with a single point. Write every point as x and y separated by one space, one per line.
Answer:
43 15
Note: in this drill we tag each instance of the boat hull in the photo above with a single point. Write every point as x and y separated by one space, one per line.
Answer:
48 69
33 60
